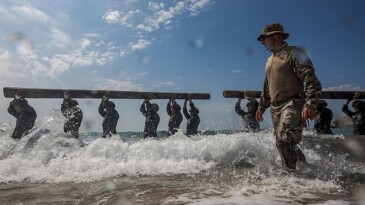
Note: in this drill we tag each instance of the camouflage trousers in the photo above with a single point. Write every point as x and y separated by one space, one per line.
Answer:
287 122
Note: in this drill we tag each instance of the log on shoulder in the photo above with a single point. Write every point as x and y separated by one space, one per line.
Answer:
326 94
9 92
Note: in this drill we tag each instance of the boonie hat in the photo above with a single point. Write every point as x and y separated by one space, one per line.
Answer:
270 29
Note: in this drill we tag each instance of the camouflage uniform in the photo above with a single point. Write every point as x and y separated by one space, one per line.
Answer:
287 70
249 118
174 111
110 115
358 117
322 122
25 117
71 111
152 120
193 119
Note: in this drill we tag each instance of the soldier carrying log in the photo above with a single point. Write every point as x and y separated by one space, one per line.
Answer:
323 119
24 113
249 117
174 111
192 117
149 110
358 117
110 114
72 112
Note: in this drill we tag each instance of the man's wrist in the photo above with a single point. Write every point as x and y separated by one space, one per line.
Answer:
261 109
311 103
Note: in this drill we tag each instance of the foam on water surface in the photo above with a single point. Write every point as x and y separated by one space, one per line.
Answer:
237 168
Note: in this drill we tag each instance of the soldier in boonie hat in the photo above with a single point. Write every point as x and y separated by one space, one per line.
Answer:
271 29
289 73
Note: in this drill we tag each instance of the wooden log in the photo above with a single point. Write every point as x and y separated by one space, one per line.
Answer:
9 92
241 93
326 94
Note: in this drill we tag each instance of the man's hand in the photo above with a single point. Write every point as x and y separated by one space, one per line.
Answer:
106 95
19 93
308 112
259 116
239 100
66 94
145 101
172 98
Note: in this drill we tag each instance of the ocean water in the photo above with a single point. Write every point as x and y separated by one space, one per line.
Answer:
211 168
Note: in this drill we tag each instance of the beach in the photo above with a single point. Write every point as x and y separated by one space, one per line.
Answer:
215 168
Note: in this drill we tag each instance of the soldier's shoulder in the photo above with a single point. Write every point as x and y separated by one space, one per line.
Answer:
299 54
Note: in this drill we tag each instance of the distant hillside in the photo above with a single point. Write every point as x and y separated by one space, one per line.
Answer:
342 121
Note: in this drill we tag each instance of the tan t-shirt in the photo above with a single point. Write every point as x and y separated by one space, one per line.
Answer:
282 81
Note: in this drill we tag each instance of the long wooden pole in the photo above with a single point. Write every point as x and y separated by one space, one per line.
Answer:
9 92
326 94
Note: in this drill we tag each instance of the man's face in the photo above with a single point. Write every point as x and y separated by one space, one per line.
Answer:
249 108
17 108
268 42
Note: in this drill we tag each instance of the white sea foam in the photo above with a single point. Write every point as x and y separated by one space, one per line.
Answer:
268 190
56 158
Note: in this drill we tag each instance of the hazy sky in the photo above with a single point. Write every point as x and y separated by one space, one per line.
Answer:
170 46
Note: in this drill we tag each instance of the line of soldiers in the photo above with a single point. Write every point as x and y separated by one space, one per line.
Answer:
26 116
322 121
173 109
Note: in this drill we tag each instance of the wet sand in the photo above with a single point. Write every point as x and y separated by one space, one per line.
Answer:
214 187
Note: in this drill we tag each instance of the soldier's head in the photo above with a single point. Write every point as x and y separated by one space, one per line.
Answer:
19 103
155 107
272 35
109 105
175 108
17 107
358 105
252 106
72 103
194 111
321 104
